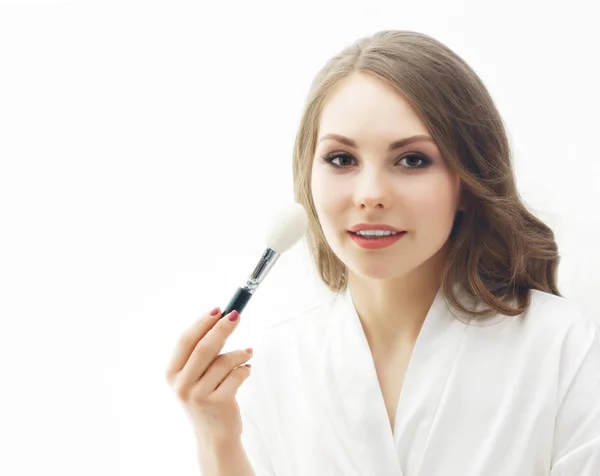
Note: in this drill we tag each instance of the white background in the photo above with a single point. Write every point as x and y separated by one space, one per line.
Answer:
143 144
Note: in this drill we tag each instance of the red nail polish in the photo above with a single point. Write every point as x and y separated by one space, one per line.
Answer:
233 316
214 312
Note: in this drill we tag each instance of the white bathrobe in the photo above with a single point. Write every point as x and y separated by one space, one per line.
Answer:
502 397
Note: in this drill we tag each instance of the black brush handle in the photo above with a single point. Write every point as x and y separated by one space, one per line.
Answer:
238 302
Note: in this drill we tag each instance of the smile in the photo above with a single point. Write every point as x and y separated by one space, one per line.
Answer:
375 242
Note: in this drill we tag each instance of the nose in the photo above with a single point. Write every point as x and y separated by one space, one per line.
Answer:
372 190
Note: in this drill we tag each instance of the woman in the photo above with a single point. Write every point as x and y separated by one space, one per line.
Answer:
446 348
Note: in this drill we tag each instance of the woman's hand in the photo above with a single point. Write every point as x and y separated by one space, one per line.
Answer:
205 381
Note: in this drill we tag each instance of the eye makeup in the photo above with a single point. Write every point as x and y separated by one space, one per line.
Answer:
423 160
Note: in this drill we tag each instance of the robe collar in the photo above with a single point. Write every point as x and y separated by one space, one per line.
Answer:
357 395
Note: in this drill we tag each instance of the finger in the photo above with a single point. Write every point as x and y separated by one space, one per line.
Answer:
188 340
207 349
232 382
219 369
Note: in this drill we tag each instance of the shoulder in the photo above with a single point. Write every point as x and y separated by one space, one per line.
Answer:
298 326
295 341
562 321
281 349
556 311
550 325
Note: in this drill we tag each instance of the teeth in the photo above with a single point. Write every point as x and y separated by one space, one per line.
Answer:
376 233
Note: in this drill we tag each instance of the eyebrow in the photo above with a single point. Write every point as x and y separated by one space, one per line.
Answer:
393 146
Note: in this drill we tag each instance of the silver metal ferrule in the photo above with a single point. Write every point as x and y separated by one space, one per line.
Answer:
263 267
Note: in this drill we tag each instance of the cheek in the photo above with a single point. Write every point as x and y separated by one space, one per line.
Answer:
435 205
328 193
317 191
328 200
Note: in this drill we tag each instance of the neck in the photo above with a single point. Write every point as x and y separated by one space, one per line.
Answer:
392 311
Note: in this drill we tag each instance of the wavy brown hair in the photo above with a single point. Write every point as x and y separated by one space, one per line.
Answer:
498 250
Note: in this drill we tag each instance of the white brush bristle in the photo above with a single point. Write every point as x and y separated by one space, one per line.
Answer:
287 227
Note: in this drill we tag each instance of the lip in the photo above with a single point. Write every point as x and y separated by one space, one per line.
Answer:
373 226
375 243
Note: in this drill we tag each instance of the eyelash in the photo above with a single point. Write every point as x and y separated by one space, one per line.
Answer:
425 162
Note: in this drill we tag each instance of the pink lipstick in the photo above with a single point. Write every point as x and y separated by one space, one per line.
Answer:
375 243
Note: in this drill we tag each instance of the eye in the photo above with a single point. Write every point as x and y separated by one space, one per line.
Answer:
335 156
422 161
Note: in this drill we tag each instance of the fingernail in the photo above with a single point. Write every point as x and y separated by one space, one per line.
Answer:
214 312
234 316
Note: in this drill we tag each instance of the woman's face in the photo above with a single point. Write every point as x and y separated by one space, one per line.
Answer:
409 188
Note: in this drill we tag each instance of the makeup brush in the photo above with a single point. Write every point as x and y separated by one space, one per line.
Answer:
286 229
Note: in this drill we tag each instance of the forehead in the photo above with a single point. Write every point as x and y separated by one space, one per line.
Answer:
363 104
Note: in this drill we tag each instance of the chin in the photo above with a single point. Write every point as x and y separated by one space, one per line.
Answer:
388 268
